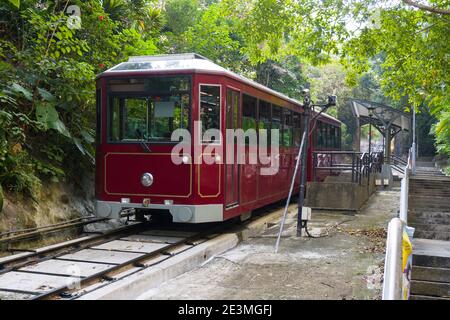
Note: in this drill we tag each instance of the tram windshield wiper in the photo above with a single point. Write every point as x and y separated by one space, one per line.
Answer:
140 136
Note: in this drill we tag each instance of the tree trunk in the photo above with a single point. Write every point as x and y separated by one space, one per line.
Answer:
1 198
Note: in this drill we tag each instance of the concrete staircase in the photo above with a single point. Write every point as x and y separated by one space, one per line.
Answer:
429 214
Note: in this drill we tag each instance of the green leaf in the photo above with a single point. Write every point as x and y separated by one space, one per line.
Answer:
46 113
17 88
59 126
47 96
15 3
87 136
79 145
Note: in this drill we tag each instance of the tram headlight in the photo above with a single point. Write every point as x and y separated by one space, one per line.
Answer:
147 179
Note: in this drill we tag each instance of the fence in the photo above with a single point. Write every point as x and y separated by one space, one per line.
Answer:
359 164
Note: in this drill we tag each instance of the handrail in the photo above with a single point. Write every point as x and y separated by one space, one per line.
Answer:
393 285
392 288
360 164
398 159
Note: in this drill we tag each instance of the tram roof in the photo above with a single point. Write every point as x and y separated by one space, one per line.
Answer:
190 62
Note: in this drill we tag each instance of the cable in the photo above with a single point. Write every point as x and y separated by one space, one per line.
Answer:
305 225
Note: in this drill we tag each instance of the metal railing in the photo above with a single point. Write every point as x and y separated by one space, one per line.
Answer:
359 164
394 286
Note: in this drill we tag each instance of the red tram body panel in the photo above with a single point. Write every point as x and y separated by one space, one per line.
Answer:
140 103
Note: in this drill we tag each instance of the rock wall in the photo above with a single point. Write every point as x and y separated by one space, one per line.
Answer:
55 202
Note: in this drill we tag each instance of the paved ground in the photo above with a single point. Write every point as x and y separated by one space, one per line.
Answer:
345 262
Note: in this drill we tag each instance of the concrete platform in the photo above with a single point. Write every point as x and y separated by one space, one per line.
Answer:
344 263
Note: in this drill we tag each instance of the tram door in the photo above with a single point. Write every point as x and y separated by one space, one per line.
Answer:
232 167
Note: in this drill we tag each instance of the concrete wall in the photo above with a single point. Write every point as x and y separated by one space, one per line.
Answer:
339 195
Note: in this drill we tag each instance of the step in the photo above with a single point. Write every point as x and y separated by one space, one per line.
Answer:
430 206
429 179
432 235
431 253
430 191
431 274
422 297
430 288
439 228
431 198
418 220
428 214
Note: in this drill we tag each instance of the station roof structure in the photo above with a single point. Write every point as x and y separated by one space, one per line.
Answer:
381 116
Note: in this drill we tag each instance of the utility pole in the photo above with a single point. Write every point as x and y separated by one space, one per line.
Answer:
307 107
304 159
413 151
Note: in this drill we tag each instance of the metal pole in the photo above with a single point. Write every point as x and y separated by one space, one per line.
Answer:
301 195
290 192
413 159
370 135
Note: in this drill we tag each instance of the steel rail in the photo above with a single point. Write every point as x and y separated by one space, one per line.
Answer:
20 231
37 233
109 273
52 251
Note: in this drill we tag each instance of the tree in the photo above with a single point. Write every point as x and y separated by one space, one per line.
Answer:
48 82
413 46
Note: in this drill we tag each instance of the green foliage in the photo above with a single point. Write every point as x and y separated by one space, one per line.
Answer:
1 198
47 82
412 48
47 69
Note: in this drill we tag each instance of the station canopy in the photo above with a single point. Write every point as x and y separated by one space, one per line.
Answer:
381 116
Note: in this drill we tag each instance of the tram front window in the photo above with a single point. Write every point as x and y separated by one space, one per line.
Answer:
147 109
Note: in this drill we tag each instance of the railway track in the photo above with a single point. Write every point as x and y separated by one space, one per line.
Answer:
71 269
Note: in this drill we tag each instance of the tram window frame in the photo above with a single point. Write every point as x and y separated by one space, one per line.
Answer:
275 109
333 136
298 131
186 107
319 132
267 105
245 99
218 113
288 117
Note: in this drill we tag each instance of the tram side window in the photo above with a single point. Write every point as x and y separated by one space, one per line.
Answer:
297 125
277 122
333 136
166 114
264 119
249 112
287 128
128 118
320 136
210 109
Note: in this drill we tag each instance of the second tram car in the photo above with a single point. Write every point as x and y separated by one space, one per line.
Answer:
141 102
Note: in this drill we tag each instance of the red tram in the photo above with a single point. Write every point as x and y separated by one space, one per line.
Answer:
141 102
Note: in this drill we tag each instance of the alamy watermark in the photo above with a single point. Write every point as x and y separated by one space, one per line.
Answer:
241 147
74 19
